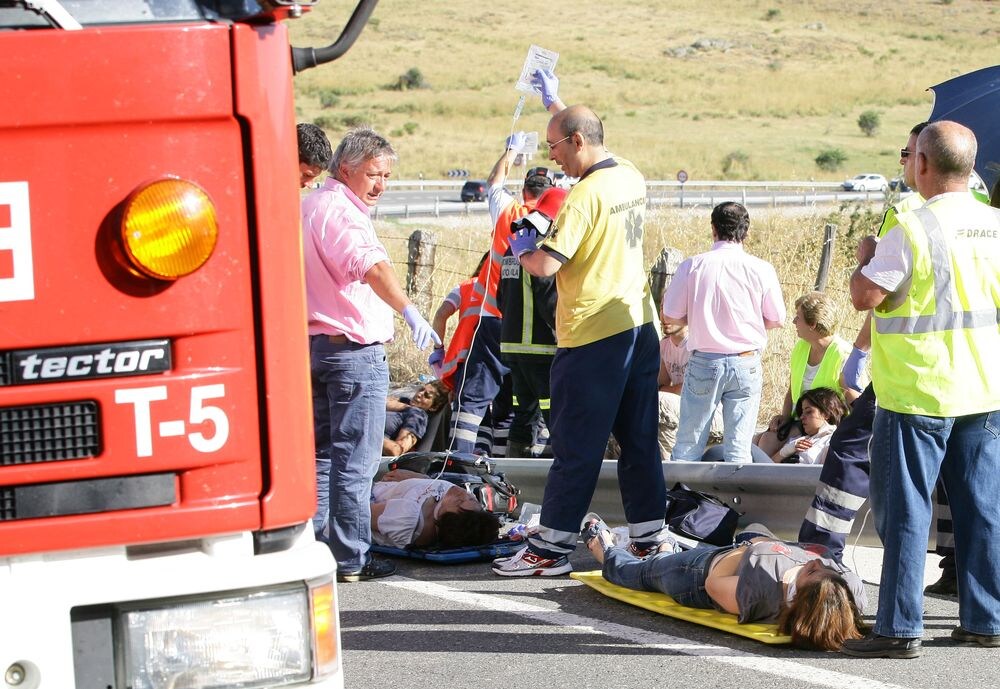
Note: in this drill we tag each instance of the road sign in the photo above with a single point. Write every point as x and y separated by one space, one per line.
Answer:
682 176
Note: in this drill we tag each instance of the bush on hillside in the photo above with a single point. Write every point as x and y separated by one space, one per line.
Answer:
831 159
869 122
413 78
329 98
736 164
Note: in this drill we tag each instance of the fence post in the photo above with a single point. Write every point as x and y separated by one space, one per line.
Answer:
420 269
826 256
662 272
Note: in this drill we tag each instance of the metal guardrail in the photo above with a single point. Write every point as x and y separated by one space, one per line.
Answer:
776 198
776 495
421 184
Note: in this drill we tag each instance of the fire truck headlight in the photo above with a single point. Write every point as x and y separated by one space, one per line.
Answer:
169 228
260 639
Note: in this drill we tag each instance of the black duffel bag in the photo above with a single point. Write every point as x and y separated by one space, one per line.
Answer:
701 516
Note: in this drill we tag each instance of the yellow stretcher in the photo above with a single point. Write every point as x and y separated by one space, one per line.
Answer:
663 604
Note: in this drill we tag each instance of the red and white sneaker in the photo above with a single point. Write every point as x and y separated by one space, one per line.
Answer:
525 563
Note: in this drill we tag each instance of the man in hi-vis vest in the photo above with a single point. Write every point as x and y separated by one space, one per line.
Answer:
934 284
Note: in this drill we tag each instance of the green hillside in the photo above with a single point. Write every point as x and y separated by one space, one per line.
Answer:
737 89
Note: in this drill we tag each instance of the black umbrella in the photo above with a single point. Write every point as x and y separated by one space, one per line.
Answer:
973 99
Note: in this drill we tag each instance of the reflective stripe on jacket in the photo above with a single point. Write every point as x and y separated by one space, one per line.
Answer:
458 347
529 306
932 346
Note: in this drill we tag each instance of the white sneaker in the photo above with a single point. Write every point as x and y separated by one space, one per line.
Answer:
684 542
525 563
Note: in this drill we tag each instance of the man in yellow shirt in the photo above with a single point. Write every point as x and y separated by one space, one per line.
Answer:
603 377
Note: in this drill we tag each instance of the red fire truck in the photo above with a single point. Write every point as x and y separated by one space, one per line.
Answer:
156 460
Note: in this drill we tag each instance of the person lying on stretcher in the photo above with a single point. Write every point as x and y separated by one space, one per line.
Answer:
410 509
813 598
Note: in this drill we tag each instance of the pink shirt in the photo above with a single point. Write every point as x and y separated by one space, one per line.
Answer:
340 247
726 295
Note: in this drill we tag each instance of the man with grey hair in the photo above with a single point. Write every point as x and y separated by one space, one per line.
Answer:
933 281
351 292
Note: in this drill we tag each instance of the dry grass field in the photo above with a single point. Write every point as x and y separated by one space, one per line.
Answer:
774 83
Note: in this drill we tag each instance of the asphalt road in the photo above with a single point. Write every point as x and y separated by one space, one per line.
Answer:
456 626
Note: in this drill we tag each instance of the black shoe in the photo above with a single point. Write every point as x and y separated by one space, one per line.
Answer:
875 646
947 585
987 640
375 569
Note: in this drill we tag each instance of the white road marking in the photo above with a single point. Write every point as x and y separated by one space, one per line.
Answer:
801 672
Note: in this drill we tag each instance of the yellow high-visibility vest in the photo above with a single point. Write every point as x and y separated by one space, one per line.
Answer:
934 345
828 373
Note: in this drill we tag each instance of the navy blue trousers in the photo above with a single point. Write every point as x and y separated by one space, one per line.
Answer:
843 482
477 382
599 388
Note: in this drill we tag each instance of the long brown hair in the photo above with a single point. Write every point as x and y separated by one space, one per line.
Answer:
822 615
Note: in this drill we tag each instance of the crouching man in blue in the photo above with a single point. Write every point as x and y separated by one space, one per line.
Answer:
934 284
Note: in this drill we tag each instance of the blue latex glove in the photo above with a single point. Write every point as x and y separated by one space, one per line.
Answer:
516 141
423 333
436 358
854 367
524 241
548 82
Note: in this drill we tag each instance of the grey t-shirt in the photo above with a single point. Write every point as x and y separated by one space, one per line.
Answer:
759 591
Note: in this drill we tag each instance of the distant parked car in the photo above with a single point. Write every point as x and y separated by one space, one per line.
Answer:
867 181
898 184
474 190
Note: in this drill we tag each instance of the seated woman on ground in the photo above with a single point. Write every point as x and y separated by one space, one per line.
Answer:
406 419
410 509
819 411
817 360
813 598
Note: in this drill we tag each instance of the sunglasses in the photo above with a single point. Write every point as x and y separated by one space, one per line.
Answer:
905 153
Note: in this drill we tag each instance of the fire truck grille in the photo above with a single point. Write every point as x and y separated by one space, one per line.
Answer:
49 432
7 505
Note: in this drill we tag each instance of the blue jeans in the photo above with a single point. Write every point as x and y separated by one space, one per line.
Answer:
679 575
736 381
599 388
477 383
908 452
349 386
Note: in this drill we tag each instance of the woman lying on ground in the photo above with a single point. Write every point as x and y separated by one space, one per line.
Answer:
410 509
814 599
406 419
